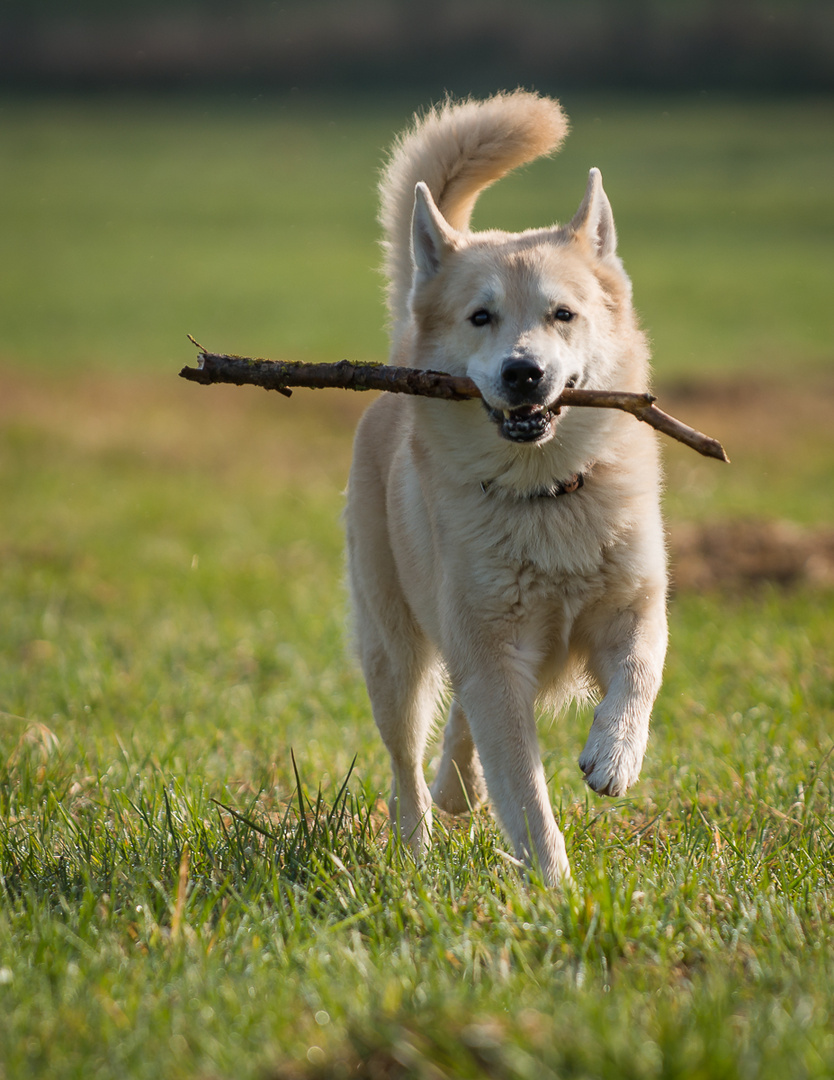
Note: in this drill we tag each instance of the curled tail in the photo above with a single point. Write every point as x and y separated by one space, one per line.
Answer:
457 149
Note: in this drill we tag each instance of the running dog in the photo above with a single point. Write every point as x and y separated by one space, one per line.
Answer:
505 547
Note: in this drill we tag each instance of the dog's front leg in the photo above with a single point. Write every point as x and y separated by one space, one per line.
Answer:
403 693
626 658
499 705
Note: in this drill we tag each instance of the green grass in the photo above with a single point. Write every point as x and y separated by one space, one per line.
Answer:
128 224
152 707
196 879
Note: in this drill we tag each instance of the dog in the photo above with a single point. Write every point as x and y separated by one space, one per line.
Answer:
507 548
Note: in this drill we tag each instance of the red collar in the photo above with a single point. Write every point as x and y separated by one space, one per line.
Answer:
552 491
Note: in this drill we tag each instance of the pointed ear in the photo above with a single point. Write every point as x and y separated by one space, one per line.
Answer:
432 237
594 219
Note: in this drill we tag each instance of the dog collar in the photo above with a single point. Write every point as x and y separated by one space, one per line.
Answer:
552 491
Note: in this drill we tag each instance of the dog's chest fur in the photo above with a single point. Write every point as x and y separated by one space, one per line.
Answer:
530 562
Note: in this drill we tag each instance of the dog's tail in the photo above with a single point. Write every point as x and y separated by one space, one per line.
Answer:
458 149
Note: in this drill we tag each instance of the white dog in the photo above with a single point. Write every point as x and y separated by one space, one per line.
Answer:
505 546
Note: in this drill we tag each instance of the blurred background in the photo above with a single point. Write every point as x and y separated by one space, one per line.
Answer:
174 165
460 45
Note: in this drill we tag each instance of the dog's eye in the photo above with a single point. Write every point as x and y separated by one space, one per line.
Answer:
562 314
481 317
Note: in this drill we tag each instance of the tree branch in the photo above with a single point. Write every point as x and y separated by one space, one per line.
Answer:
281 376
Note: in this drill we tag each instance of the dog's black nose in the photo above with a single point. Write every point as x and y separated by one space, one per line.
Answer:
521 375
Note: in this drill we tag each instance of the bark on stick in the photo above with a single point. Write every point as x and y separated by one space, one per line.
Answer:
283 377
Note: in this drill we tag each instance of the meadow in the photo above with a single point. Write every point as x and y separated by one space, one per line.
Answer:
196 876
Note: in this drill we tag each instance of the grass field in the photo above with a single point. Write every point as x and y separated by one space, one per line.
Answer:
197 880
124 227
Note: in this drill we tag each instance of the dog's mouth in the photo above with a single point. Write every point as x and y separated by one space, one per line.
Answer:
525 423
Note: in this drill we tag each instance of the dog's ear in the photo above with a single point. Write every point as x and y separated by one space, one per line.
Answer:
431 235
594 219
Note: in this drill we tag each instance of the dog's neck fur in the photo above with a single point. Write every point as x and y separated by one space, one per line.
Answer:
550 491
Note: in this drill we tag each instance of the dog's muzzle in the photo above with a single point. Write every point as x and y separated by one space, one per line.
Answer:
526 417
525 423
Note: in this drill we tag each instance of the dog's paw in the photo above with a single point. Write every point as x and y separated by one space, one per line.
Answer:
459 785
416 833
411 820
611 764
457 793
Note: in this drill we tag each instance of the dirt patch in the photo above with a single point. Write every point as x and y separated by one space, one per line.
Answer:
740 555
162 420
781 441
750 415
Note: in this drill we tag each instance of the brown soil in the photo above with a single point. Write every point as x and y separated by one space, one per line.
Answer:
740 555
783 427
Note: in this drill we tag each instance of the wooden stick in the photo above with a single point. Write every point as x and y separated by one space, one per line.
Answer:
281 376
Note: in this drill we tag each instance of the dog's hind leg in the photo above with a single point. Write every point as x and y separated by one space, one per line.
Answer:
459 785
